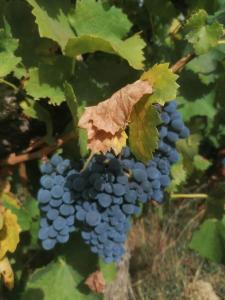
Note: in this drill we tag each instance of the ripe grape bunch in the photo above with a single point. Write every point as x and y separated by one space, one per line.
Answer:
101 200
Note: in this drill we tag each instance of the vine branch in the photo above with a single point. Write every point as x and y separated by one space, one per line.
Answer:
179 65
14 159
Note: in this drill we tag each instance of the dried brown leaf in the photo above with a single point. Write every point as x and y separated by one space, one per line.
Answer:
105 122
96 282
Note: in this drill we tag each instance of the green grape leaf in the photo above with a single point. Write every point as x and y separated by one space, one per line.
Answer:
208 242
32 48
73 265
189 148
164 83
178 175
52 20
8 46
99 21
90 44
143 134
200 107
35 110
109 271
47 80
71 102
203 37
82 136
103 30
201 163
56 275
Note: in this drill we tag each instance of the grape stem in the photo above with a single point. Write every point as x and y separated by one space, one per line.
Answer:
189 196
87 162
9 84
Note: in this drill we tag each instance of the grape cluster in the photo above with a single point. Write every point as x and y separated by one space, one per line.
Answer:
102 199
56 202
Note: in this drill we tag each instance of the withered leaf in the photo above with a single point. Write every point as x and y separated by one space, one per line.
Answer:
96 282
105 122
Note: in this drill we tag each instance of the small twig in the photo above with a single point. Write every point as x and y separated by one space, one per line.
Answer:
179 65
189 196
35 144
14 159
87 161
221 42
9 84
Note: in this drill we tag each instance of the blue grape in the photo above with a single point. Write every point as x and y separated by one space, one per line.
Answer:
52 214
184 132
46 182
165 118
48 244
46 168
59 223
177 124
172 136
57 191
118 189
139 175
56 159
66 210
44 196
104 199
170 107
62 239
93 218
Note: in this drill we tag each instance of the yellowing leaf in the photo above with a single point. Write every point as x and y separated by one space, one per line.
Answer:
9 234
163 81
7 273
143 137
109 118
1 220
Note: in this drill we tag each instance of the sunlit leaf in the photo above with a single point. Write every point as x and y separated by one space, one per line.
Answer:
163 81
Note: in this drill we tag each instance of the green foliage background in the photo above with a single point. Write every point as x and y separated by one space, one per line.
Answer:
62 56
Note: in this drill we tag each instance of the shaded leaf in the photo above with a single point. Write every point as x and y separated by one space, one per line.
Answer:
110 117
35 110
71 102
163 81
8 46
203 106
47 80
52 20
143 134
